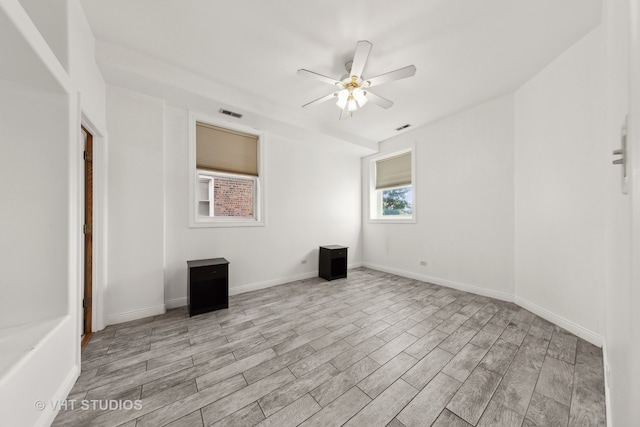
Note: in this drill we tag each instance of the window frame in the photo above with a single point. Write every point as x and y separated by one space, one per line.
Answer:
375 196
212 176
197 221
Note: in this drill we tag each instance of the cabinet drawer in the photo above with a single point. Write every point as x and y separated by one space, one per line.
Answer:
338 253
200 274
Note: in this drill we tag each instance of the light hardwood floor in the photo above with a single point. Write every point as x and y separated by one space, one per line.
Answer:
371 350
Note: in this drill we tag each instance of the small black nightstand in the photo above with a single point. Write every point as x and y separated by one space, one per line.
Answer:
333 262
208 285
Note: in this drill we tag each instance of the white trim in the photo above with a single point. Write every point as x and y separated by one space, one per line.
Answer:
373 210
607 390
236 290
128 316
281 281
227 221
259 206
570 326
478 290
269 283
60 395
99 245
75 222
175 303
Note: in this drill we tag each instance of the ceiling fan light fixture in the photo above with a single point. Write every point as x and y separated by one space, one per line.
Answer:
360 96
352 105
343 98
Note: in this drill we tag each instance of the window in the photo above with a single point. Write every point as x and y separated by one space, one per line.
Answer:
226 176
224 195
391 187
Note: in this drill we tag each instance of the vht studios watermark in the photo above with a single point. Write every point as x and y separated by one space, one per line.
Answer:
88 405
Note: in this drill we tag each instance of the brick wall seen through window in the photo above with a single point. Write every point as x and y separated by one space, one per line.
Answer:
233 197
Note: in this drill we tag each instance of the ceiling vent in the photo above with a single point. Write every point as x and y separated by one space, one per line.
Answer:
403 127
230 113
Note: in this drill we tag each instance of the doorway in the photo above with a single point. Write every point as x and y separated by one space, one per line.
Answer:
86 300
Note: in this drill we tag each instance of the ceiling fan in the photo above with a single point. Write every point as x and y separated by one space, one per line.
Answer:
353 89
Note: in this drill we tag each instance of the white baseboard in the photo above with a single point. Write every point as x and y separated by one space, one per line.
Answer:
128 316
181 302
570 326
281 281
269 283
175 303
478 290
61 395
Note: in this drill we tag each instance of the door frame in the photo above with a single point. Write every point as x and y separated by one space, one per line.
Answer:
99 232
86 302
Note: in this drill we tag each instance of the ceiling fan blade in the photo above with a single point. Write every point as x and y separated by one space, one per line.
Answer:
360 57
319 100
391 76
316 76
378 100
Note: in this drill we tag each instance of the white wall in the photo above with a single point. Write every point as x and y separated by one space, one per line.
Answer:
559 215
464 227
34 196
83 70
312 198
149 238
87 81
64 27
136 206
52 21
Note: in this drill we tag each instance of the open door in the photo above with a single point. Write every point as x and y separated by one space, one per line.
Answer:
87 230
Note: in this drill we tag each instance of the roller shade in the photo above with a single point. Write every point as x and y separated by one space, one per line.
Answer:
225 150
393 171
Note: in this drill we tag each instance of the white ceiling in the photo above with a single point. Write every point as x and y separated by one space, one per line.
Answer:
465 51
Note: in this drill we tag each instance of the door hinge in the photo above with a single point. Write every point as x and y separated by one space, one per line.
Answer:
86 229
88 157
86 302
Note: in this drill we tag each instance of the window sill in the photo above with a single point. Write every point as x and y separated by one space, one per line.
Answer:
226 224
392 221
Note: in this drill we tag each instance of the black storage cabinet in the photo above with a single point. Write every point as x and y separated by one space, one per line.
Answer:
208 285
333 262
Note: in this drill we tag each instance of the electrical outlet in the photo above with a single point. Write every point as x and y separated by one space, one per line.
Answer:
423 263
304 261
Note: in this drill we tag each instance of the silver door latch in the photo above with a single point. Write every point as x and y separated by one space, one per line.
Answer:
622 160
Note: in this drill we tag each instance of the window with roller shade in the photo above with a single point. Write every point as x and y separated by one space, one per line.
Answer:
227 169
392 195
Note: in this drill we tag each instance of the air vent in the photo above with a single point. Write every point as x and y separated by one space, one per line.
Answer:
230 113
403 127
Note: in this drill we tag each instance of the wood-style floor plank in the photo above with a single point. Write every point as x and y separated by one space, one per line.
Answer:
293 414
384 407
378 381
427 405
340 410
372 349
472 398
